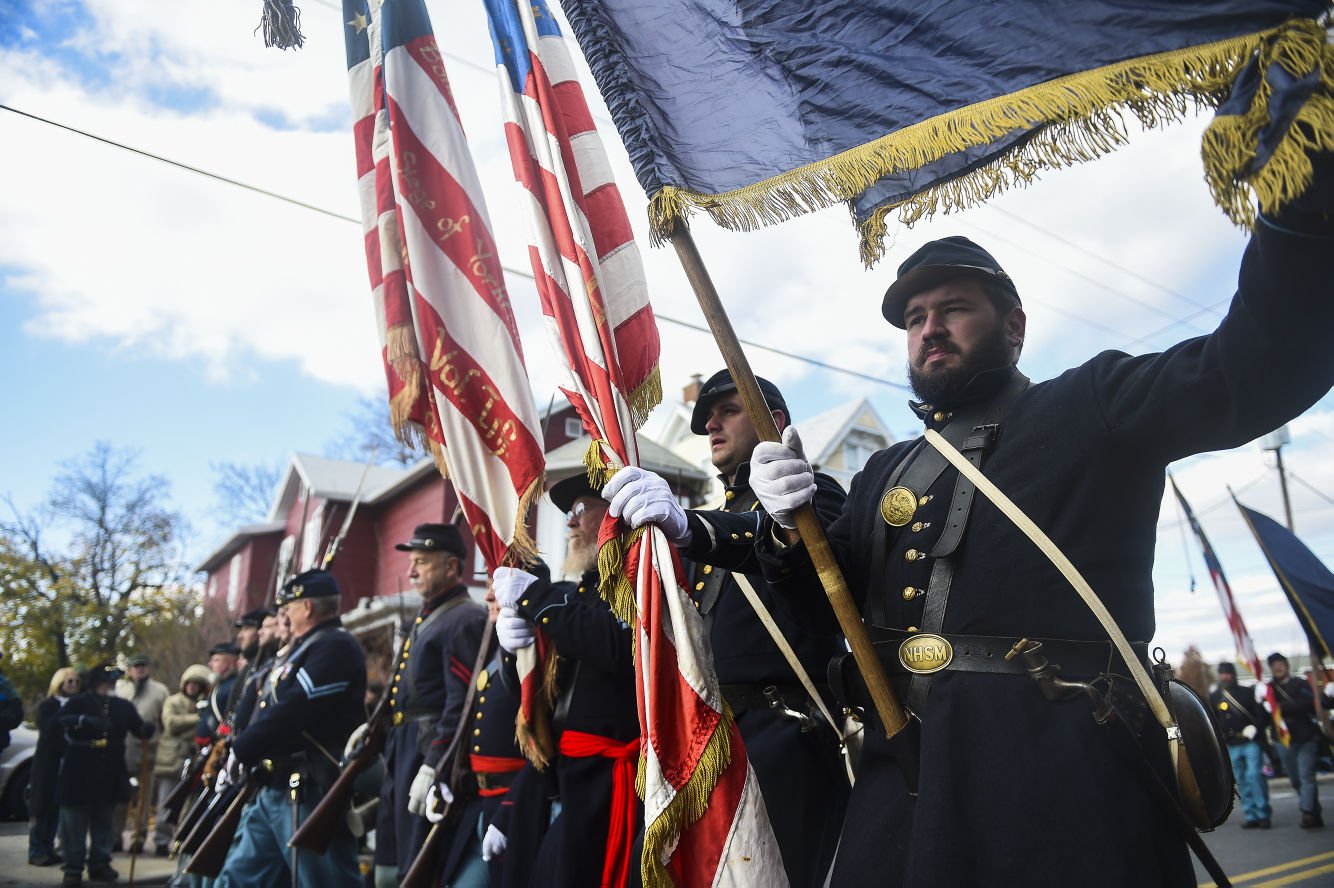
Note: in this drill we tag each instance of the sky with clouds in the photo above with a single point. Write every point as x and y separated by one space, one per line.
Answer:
199 321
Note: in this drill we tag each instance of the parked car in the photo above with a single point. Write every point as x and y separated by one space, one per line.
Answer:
14 767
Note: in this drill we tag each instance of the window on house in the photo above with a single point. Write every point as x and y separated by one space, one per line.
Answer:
573 427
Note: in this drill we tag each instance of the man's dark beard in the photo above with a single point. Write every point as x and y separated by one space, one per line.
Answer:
944 384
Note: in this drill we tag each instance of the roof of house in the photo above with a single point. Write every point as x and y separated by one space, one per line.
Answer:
822 433
235 541
333 479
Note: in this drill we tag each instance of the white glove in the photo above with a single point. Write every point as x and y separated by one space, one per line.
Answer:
781 477
493 843
437 799
421 786
1248 732
509 584
639 497
513 631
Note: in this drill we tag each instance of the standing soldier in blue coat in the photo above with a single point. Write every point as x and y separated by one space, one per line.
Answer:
426 692
304 716
595 722
793 750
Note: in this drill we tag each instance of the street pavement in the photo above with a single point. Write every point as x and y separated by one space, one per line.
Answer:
15 872
1277 858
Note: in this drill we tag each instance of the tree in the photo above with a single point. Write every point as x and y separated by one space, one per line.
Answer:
371 432
120 577
245 492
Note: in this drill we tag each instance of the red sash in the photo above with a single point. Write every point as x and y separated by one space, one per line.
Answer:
621 827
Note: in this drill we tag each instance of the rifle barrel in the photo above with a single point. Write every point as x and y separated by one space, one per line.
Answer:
212 851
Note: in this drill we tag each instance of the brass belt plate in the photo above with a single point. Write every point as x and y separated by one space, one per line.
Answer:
398 719
898 506
925 653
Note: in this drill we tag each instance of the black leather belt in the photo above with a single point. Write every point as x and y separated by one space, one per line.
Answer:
921 653
495 779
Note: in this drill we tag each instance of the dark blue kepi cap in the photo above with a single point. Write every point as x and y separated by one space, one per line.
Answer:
310 584
435 538
936 262
720 384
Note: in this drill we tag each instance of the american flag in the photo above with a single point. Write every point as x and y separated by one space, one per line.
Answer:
1245 647
705 822
450 343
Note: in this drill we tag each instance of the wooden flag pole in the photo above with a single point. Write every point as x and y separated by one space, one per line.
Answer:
891 714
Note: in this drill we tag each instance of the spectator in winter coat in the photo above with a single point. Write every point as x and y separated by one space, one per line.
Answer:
180 717
43 813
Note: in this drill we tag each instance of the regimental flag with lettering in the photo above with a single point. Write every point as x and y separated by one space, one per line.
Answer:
705 822
758 111
1306 581
1240 637
454 364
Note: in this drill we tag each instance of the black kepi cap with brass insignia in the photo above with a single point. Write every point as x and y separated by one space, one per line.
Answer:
311 584
435 538
936 262
720 384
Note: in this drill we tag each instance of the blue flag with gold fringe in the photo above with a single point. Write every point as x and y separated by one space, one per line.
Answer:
1306 581
757 111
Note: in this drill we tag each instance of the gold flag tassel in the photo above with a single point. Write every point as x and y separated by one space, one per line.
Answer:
1237 176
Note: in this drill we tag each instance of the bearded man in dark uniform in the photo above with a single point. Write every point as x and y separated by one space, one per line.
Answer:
1003 774
426 692
595 722
1242 720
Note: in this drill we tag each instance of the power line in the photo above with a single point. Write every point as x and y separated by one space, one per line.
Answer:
341 216
1308 486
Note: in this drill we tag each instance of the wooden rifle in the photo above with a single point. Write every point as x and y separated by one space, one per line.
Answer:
208 857
317 830
214 803
423 873
175 800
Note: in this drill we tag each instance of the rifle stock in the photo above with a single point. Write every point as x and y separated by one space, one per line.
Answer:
425 864
175 799
212 851
317 830
217 803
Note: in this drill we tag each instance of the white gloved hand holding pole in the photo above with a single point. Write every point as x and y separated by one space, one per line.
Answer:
420 788
782 478
509 584
640 497
1249 732
493 843
512 631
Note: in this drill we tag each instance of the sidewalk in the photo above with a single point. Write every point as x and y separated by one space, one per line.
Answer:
16 873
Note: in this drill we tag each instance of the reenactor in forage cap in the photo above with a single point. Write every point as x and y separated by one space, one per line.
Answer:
1003 766
1242 719
793 749
305 714
426 692
595 722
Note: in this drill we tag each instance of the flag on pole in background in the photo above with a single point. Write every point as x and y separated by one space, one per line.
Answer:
1306 581
758 111
1240 637
705 822
451 347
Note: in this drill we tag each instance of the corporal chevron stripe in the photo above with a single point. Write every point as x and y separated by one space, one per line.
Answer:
705 822
314 691
451 346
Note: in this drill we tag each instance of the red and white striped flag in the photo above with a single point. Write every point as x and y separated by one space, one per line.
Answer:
451 346
705 822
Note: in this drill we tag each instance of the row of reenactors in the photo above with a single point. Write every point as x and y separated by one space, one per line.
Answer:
294 715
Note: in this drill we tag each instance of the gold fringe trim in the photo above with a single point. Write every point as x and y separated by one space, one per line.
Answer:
1230 143
687 806
599 472
523 549
1078 119
402 355
535 740
613 584
646 396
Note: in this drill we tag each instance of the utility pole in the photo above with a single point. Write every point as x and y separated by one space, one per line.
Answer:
1275 442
